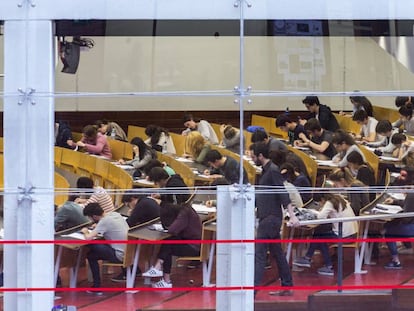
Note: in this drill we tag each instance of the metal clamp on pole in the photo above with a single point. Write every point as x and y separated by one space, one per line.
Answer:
30 2
26 96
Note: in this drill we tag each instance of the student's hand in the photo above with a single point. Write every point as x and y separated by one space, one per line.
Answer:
184 133
388 201
206 172
293 221
80 144
85 230
209 203
70 143
121 161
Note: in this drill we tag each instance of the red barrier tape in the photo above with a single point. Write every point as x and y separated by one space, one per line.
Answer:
333 240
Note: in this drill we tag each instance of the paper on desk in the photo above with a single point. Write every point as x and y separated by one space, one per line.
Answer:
385 158
202 209
326 163
157 227
180 159
75 235
124 166
397 196
301 148
387 209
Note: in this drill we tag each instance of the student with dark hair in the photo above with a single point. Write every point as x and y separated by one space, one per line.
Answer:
384 128
162 180
97 195
185 226
110 226
269 213
279 157
157 163
368 125
333 206
293 128
69 215
361 103
93 142
343 178
272 143
297 179
224 166
406 120
320 141
142 156
202 126
159 139
321 112
111 129
403 101
63 135
344 144
141 208
361 171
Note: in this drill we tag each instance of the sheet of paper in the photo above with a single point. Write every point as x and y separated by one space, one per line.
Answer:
387 208
326 163
144 181
201 208
185 160
385 158
75 235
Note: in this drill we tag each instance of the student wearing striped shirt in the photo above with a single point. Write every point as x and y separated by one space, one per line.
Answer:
97 195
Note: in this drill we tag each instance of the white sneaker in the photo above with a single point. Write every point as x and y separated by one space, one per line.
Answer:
162 284
153 273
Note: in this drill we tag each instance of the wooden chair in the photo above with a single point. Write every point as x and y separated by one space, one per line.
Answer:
216 127
184 171
205 254
372 159
87 165
347 124
275 131
58 155
117 148
136 131
61 183
383 113
70 160
179 143
101 171
261 121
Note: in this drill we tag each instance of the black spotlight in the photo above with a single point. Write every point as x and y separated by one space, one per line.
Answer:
69 54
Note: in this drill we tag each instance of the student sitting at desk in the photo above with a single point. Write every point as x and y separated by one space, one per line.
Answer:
99 195
342 178
344 144
159 139
406 120
111 129
183 223
333 206
201 126
161 179
320 141
384 128
224 166
69 215
141 208
142 155
272 143
361 171
400 227
110 226
196 147
157 163
293 128
231 138
297 179
368 125
93 142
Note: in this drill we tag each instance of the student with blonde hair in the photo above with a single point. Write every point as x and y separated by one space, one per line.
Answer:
196 147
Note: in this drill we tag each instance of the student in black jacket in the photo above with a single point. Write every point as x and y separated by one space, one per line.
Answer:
321 112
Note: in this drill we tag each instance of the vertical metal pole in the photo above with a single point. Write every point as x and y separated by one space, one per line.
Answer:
28 162
340 257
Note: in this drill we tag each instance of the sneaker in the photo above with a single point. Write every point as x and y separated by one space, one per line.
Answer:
405 251
286 292
325 270
302 262
393 265
162 284
153 273
119 278
95 291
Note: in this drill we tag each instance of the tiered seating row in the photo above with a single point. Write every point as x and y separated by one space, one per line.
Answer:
103 172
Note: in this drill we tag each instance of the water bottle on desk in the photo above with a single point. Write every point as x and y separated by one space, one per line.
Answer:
164 147
113 133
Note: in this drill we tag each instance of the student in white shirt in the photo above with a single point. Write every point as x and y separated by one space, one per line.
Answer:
368 125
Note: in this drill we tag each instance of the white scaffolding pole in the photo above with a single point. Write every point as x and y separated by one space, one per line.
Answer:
28 163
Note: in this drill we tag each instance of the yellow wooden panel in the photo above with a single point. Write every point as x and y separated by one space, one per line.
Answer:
136 131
